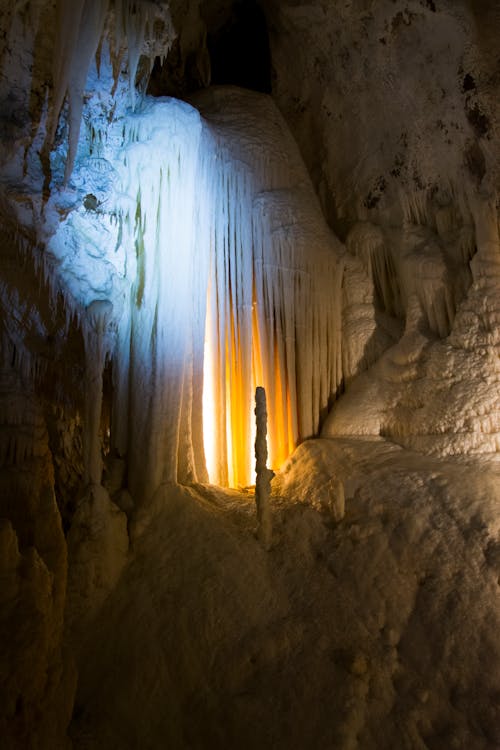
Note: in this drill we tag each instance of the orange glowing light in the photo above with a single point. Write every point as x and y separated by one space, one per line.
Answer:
233 368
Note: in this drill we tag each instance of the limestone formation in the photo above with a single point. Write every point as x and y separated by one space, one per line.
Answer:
321 223
263 475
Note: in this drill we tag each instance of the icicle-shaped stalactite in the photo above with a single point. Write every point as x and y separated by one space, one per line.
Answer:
79 30
417 261
298 312
208 240
230 305
366 241
146 30
143 28
162 350
167 218
275 287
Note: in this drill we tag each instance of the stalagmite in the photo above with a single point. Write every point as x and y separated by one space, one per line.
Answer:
263 474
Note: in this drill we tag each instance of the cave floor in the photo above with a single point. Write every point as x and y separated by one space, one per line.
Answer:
376 631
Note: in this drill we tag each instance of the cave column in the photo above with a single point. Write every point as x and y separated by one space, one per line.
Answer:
98 315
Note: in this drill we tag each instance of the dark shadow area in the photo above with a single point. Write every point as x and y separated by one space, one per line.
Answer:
239 50
234 52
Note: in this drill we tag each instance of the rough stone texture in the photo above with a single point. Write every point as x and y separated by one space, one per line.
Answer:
436 396
373 619
393 106
380 630
36 675
387 98
97 549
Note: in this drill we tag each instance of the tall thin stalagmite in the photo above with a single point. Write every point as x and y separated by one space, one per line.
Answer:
263 474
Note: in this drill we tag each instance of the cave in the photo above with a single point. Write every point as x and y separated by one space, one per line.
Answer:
249 375
239 50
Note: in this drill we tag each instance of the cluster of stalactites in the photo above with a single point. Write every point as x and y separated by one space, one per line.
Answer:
235 280
158 362
274 302
217 216
419 260
132 29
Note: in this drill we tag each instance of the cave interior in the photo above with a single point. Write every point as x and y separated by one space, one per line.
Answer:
249 374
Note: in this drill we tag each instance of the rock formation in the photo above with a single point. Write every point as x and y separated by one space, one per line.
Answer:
263 475
322 222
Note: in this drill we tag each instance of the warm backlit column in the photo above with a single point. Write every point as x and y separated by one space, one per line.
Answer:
273 300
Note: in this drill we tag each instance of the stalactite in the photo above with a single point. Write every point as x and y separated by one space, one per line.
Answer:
159 359
79 29
274 297
206 237
366 241
170 217
141 28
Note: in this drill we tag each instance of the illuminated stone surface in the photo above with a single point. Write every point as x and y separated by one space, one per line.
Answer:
145 240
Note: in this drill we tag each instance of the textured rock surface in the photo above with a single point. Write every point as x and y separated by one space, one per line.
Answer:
36 675
437 396
97 550
376 631
389 99
373 619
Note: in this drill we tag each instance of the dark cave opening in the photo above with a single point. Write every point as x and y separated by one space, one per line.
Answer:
239 49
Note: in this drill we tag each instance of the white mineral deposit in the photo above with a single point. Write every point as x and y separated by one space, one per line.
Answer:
207 201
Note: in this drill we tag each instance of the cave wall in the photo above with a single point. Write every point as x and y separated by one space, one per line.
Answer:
393 106
389 101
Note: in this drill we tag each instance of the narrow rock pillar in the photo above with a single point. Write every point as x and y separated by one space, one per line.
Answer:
263 474
97 320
